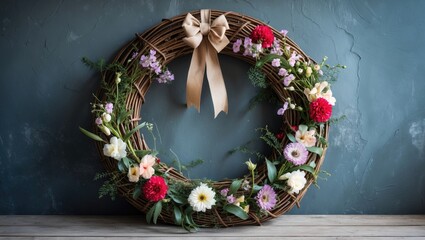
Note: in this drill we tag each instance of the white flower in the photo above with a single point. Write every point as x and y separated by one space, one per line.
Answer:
305 136
295 180
202 198
316 67
116 148
106 117
320 90
133 174
146 166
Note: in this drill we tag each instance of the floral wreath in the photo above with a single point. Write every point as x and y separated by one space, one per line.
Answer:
299 85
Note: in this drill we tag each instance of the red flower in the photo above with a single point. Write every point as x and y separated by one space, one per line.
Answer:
155 189
264 35
320 110
280 136
295 128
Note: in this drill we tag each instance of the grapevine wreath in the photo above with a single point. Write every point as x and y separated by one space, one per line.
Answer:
304 101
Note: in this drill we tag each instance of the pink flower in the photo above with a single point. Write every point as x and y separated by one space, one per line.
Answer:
288 79
237 46
109 107
146 166
284 32
296 153
266 198
224 192
276 62
294 57
98 121
231 199
282 110
283 72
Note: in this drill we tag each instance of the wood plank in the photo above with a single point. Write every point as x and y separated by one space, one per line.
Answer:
218 238
287 220
285 227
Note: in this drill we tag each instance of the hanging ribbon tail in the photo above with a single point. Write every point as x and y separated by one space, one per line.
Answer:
195 77
216 82
207 39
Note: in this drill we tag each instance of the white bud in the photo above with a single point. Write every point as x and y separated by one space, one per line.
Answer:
308 72
300 70
292 106
106 117
118 77
291 88
105 130
317 67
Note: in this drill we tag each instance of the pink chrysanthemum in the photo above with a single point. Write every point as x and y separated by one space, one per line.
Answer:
296 153
266 198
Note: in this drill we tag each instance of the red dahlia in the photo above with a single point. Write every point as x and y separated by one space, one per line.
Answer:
320 110
155 189
264 35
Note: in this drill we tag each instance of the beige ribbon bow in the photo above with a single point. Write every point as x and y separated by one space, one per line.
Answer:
207 39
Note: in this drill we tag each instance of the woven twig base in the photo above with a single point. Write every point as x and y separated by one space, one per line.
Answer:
166 39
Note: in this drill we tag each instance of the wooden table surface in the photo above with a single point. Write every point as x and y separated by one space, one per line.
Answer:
311 227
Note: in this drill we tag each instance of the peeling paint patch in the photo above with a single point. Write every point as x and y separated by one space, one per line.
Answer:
72 36
417 132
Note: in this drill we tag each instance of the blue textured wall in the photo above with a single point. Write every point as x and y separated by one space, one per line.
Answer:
376 156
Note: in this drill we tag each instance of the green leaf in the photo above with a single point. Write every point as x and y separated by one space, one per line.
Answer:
142 153
177 215
91 135
158 209
237 211
303 167
128 135
150 214
234 187
137 191
271 171
316 150
122 116
291 137
177 198
127 162
121 166
257 188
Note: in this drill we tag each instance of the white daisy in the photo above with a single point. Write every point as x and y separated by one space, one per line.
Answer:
202 198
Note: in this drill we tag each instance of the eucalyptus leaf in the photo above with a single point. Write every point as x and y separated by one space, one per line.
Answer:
257 188
271 171
157 211
91 135
137 191
291 137
234 187
177 199
316 150
132 131
127 162
177 215
237 211
121 166
149 214
305 168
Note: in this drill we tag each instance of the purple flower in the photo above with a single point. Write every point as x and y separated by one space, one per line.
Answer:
276 48
237 46
276 62
231 199
296 153
144 61
165 77
133 56
98 121
282 110
152 52
294 57
109 107
283 72
266 198
247 44
224 192
288 79
284 32
155 67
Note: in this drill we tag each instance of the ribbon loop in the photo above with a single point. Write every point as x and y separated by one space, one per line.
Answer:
207 39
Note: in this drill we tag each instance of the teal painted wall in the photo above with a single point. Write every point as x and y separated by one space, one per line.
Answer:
376 156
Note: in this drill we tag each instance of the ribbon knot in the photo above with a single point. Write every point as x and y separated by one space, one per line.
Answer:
207 38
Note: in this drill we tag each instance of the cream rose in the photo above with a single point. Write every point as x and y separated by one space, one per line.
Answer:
320 90
133 174
295 180
305 136
115 149
146 166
